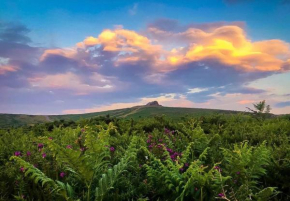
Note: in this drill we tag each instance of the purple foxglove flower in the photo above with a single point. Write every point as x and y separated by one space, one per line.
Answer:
69 146
17 153
62 174
221 195
28 153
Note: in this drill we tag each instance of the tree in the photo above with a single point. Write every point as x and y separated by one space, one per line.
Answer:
260 108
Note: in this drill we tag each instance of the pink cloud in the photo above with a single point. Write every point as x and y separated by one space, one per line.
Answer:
7 68
71 81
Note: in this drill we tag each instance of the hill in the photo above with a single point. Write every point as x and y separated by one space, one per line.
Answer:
150 110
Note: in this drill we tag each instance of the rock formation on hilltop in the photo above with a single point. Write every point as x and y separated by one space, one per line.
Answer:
153 103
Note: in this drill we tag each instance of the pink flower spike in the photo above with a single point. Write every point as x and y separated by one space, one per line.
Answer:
221 195
22 169
28 153
62 174
17 153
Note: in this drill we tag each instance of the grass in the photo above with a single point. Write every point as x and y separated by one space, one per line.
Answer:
8 120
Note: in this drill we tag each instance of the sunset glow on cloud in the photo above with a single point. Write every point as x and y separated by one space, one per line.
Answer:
212 64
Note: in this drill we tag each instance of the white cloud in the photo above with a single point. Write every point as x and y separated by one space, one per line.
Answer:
133 10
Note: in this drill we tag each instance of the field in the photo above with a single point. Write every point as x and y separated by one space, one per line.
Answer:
233 156
7 120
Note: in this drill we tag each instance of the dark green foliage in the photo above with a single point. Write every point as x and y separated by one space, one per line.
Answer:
218 157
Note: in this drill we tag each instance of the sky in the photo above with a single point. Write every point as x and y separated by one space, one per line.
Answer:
67 57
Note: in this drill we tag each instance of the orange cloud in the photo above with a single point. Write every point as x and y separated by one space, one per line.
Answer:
230 46
69 53
7 68
121 40
227 45
243 102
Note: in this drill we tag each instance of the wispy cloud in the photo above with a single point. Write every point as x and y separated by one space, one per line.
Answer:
134 9
283 104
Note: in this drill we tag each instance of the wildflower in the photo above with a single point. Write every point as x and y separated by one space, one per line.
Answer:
150 136
69 146
181 169
40 146
17 153
218 168
148 141
196 189
221 195
43 155
166 130
83 149
50 138
22 169
186 165
146 157
83 130
160 140
238 173
28 153
112 149
62 174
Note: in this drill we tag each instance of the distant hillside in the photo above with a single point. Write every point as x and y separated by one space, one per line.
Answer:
7 120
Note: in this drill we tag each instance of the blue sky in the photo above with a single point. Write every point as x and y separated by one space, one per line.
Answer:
83 56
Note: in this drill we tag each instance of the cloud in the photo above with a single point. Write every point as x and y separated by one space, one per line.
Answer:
133 10
70 81
196 90
243 102
14 32
283 104
201 64
5 68
227 45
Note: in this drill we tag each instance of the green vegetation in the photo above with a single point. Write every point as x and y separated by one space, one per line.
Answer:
212 157
15 120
